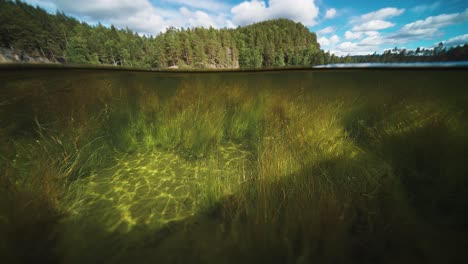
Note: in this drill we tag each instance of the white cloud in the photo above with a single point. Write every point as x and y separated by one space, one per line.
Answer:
353 48
373 25
331 13
350 48
425 7
103 8
438 21
353 35
382 14
139 15
334 39
429 27
368 45
323 41
371 41
326 30
229 24
456 41
405 35
249 12
371 22
304 11
208 5
145 22
197 18
363 36
372 33
143 16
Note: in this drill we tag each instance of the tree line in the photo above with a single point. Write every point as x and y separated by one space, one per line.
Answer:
273 43
440 53
279 42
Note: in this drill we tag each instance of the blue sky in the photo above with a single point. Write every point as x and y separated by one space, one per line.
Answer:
343 27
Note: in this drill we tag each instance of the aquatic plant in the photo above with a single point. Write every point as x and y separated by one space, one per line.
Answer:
326 170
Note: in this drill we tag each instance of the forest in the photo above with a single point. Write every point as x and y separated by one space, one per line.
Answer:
59 37
438 53
32 31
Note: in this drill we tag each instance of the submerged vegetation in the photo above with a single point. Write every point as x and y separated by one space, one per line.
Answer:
284 167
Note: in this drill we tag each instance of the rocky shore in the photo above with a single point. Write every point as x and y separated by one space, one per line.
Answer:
16 56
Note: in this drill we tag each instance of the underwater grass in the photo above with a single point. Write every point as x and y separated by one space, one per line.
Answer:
344 175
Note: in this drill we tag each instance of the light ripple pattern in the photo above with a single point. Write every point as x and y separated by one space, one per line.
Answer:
151 187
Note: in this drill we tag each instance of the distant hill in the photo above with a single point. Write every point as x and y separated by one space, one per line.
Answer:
31 32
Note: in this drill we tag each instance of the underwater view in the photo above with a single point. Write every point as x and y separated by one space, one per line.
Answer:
284 166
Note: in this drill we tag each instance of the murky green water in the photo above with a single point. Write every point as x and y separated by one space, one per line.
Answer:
119 151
